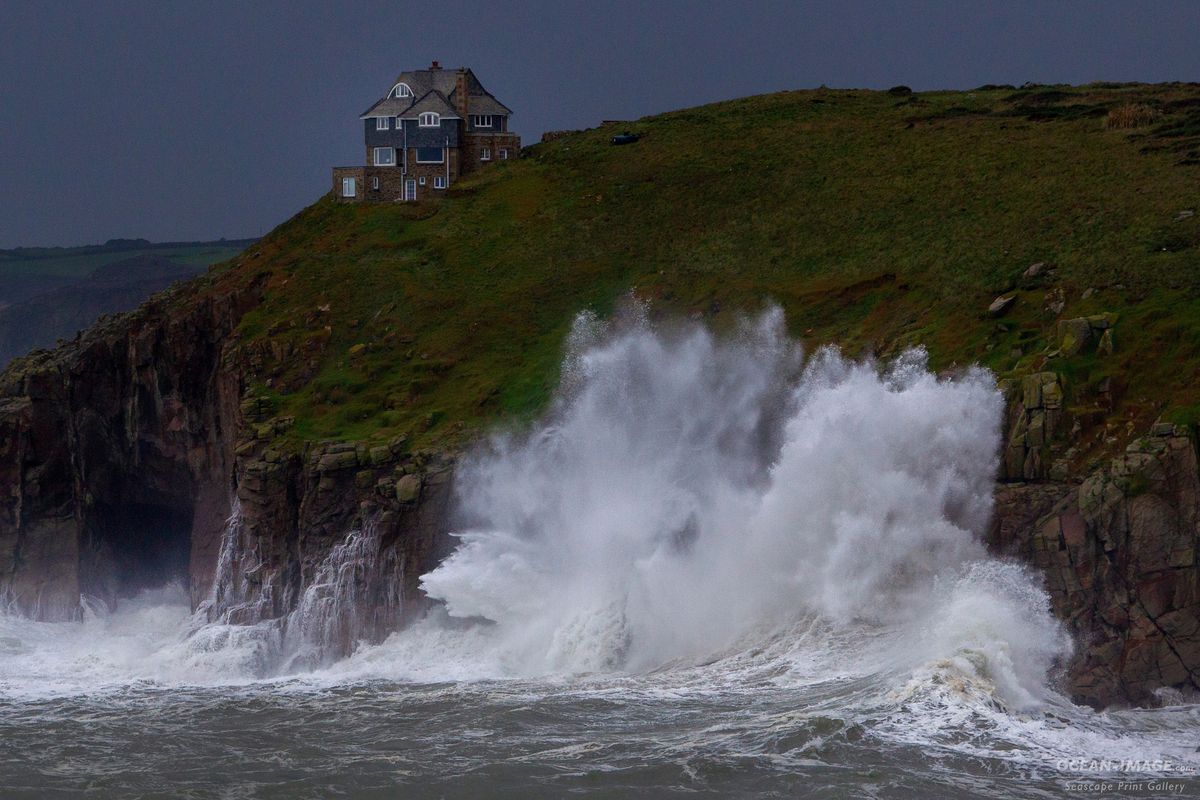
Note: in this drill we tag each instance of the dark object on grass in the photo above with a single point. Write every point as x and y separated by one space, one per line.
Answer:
899 91
625 138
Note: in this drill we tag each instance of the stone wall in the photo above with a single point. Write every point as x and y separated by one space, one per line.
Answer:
475 143
375 184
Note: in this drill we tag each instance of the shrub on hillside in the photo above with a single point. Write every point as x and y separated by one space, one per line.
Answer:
1130 115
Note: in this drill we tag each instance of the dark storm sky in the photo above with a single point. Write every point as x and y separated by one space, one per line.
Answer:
190 120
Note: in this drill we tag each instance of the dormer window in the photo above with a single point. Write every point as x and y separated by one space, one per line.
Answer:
430 120
402 90
483 121
382 123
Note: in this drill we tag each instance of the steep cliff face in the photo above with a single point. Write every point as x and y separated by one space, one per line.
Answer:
1118 552
130 457
116 452
331 545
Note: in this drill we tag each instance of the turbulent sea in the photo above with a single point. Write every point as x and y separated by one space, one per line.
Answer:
714 569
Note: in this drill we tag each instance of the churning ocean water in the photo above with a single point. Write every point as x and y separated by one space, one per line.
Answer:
714 569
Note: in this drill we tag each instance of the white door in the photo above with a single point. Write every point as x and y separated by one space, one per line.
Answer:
410 189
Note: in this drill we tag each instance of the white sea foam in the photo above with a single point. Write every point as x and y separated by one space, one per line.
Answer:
689 493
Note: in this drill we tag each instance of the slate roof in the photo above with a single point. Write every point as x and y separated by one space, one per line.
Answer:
443 82
431 101
485 104
388 107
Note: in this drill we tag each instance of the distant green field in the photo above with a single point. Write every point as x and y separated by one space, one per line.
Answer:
76 262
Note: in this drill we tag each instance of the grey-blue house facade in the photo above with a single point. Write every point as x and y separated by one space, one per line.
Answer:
411 135
432 126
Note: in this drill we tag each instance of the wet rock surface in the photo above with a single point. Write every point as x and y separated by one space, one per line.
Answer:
125 454
1118 552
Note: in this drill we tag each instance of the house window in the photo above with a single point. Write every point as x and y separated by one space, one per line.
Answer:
483 120
385 157
347 187
430 120
485 154
421 180
503 154
382 123
375 183
430 155
402 90
439 182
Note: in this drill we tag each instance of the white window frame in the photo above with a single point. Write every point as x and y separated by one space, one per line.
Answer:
441 155
375 156
485 154
439 182
383 123
479 118
349 183
504 154
375 183
429 119
402 90
421 180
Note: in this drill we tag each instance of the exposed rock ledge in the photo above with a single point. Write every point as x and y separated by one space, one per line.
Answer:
1119 557
123 453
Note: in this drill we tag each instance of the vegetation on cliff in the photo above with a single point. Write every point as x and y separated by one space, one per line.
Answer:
875 219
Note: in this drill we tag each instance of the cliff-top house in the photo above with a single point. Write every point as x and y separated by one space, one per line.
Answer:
432 126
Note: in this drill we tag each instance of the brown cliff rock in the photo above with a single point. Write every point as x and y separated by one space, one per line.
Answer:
1119 556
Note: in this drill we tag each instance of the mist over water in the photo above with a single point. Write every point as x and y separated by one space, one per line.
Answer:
716 566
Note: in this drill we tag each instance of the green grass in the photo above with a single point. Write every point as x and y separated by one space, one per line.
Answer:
874 221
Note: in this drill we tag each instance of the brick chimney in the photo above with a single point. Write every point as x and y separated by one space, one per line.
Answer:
435 65
460 92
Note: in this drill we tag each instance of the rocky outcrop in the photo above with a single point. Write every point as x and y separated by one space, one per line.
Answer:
341 536
1118 552
115 453
1035 421
132 456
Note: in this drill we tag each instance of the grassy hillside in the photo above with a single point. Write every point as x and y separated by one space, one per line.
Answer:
874 219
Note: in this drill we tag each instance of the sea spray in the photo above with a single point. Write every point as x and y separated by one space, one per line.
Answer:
689 493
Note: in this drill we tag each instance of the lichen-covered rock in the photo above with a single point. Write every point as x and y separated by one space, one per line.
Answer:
331 462
1073 335
408 489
